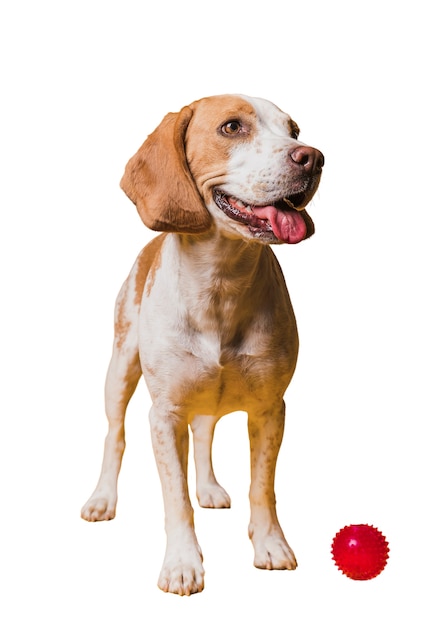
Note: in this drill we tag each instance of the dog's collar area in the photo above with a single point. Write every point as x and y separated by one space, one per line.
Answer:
281 218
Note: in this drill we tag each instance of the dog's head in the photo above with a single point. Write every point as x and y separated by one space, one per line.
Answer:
232 163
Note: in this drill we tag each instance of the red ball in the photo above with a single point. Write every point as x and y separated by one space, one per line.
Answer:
360 551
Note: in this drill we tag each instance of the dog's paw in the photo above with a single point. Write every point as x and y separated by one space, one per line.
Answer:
99 509
272 551
213 496
182 572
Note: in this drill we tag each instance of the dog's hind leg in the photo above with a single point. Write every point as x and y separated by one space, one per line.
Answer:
209 493
271 548
122 378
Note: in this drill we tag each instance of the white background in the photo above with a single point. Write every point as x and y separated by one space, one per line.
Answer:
82 85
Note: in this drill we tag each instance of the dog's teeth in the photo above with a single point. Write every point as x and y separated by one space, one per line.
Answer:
236 202
291 205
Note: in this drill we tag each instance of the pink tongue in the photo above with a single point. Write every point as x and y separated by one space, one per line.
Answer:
288 226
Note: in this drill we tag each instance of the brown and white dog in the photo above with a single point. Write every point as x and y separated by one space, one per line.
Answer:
205 314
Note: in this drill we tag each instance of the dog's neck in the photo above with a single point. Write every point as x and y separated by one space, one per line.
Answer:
219 264
219 279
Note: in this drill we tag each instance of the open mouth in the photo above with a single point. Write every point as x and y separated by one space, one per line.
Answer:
282 218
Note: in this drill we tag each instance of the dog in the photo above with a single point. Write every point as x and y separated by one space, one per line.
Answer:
205 314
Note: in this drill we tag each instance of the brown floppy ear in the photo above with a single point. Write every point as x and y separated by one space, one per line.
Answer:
158 181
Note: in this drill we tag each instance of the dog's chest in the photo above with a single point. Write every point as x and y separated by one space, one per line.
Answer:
212 363
216 342
209 378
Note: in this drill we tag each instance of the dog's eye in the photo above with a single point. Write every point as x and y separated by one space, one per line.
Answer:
233 127
294 130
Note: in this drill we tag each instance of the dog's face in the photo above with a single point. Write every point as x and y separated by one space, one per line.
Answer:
229 163
254 175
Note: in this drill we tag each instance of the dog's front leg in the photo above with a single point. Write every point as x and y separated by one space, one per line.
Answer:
210 494
271 548
182 571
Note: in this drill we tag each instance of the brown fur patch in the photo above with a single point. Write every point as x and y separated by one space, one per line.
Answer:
148 261
122 324
208 166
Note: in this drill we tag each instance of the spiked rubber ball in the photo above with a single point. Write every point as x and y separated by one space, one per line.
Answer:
360 551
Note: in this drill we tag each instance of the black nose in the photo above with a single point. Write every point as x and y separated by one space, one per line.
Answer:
309 160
